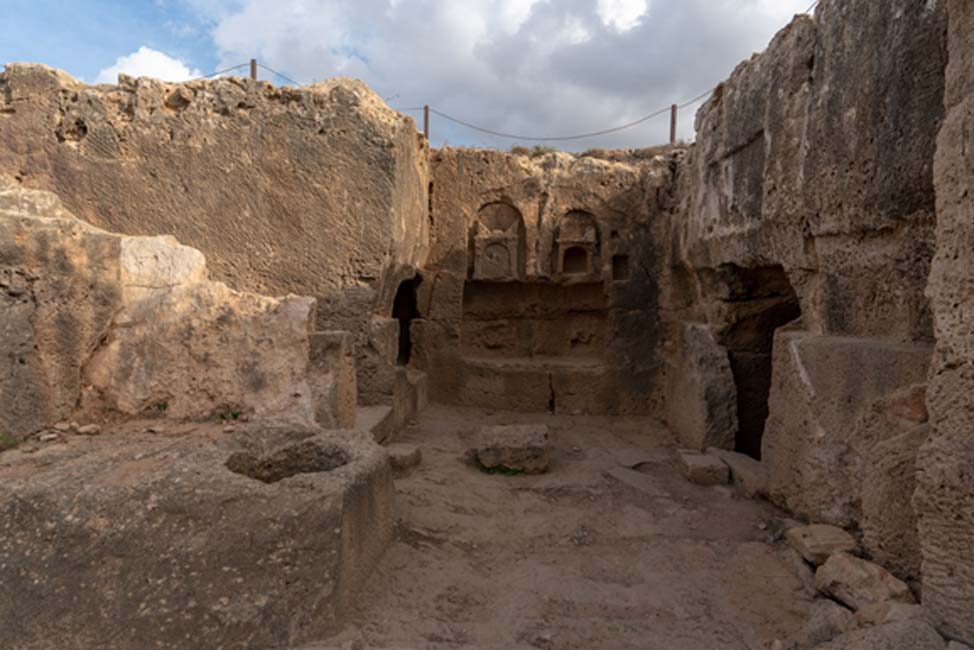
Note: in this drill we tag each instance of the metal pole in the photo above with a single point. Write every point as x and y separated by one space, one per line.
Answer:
253 69
426 122
673 112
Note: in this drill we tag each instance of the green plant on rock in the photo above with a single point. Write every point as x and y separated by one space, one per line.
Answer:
7 441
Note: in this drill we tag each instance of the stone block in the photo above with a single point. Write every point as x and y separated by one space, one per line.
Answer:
333 380
889 521
404 457
818 542
376 362
701 404
191 541
750 476
703 469
516 448
821 387
857 583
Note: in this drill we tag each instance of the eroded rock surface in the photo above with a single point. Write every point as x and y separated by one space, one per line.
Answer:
543 279
198 540
944 499
104 322
318 191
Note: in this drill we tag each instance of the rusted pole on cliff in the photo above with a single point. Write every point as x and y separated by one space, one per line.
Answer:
426 122
673 111
253 69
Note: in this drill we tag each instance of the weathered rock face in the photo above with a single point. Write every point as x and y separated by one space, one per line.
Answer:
822 387
99 321
542 282
811 199
889 523
701 403
808 209
257 540
944 500
767 191
319 191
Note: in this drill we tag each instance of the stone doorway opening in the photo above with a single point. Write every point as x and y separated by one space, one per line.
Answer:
405 309
758 302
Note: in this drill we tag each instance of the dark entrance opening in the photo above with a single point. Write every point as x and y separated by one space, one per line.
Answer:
576 261
405 310
620 267
760 300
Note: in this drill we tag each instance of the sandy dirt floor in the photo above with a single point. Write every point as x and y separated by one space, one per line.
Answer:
591 555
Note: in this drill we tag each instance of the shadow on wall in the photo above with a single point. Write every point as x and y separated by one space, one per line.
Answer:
756 302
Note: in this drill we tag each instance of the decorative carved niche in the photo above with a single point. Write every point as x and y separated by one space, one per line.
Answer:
577 247
498 243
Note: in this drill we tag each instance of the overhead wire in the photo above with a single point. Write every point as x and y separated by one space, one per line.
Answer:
513 136
579 136
282 76
219 72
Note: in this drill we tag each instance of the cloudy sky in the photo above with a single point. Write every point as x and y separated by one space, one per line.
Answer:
537 68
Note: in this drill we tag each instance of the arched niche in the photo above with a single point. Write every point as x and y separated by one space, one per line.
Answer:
576 247
498 243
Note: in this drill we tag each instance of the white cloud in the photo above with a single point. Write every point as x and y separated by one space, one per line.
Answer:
146 62
621 15
537 67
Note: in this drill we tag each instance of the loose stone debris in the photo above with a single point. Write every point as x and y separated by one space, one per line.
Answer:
703 469
818 542
404 457
513 448
857 583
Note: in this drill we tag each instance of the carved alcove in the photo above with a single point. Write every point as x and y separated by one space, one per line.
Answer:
620 267
511 314
576 247
498 243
